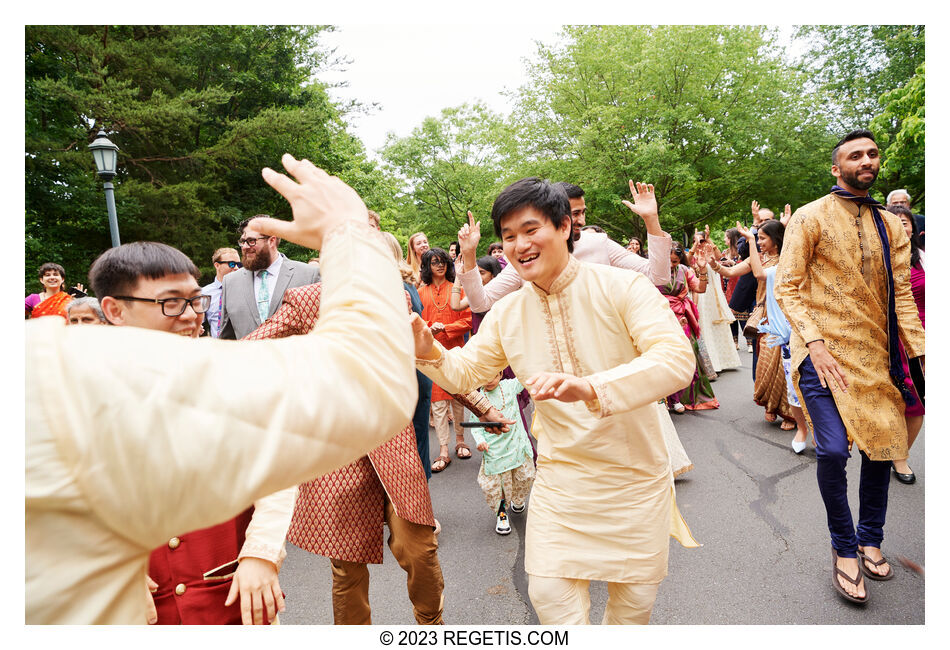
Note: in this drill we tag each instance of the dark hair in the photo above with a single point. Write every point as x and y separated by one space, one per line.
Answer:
117 271
495 245
677 249
899 210
572 191
457 247
857 134
489 264
425 265
547 198
243 225
775 231
52 266
732 236
595 229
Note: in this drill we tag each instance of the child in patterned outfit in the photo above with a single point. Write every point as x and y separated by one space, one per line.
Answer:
507 469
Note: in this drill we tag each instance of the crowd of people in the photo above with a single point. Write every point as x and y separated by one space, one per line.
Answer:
562 352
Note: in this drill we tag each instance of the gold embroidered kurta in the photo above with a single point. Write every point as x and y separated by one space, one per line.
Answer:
602 506
132 437
831 285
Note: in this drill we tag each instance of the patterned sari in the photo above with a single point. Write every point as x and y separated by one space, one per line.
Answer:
52 306
771 390
699 394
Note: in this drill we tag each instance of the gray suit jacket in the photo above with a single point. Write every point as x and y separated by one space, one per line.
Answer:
239 316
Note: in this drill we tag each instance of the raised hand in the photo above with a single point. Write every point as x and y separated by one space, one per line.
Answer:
745 232
786 215
320 203
644 200
468 237
755 212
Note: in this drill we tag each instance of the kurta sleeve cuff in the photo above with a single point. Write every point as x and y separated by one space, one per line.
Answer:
600 405
433 359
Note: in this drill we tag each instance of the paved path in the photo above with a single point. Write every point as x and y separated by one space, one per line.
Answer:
751 502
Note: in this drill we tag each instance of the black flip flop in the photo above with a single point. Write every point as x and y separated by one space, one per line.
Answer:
835 572
870 574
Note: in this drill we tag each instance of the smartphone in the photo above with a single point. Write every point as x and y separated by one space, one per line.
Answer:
481 425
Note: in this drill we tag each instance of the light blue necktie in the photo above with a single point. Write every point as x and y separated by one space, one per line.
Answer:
263 297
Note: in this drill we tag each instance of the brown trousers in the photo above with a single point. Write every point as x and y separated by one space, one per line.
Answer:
416 550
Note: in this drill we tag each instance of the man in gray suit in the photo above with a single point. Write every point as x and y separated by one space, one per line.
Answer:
251 294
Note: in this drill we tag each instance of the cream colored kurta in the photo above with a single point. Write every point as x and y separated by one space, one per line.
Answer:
132 436
831 285
602 506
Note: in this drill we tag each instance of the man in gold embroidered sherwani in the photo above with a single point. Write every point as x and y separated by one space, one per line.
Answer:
843 283
597 347
130 440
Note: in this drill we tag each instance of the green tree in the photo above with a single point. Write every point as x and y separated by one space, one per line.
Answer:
713 116
196 111
450 165
903 152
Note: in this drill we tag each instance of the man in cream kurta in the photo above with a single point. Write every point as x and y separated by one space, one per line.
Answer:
596 346
120 434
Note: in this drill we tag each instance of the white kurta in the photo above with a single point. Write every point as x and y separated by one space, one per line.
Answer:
132 436
602 506
714 319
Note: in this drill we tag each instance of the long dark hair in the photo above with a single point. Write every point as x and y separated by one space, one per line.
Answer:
490 264
915 234
425 267
732 236
775 231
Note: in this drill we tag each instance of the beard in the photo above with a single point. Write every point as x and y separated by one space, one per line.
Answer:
261 260
852 180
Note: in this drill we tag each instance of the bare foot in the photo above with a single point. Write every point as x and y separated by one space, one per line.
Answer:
875 554
850 566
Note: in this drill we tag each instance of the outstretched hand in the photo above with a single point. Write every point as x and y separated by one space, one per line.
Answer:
755 211
320 203
744 232
469 235
494 415
786 215
421 335
560 386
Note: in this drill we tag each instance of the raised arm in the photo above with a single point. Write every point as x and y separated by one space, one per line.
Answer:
659 243
754 260
150 407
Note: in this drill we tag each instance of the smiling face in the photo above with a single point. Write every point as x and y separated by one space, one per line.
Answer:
766 245
420 245
222 268
256 253
578 216
149 315
857 165
52 281
908 226
537 249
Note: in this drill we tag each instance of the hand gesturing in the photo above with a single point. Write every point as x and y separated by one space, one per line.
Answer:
644 200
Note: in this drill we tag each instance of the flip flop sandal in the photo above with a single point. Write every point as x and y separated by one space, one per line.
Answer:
835 572
462 445
870 574
770 417
788 425
446 461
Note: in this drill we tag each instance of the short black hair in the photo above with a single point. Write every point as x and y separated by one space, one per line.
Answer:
857 134
775 231
118 270
544 196
490 264
425 265
572 191
52 266
495 245
456 244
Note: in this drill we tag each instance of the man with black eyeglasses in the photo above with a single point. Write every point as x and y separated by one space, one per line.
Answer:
252 294
194 578
225 261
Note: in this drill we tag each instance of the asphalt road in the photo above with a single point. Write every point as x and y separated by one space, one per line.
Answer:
751 502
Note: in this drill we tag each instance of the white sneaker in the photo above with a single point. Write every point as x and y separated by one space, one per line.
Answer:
750 348
517 508
501 524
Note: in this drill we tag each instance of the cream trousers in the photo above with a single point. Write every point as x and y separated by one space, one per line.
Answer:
566 601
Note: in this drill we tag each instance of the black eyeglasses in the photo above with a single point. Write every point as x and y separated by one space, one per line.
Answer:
437 263
175 306
251 242
231 265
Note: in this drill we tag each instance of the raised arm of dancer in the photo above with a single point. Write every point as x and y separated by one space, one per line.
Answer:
482 297
754 261
657 265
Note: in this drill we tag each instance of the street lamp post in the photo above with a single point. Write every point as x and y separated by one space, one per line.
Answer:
105 153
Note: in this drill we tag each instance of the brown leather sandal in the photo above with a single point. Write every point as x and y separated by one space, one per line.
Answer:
445 460
835 572
875 576
462 445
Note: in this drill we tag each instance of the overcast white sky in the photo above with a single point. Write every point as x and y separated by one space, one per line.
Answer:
414 71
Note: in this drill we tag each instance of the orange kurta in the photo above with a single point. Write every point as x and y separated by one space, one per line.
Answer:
436 309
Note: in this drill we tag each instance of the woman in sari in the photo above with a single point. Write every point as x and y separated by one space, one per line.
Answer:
53 300
770 391
699 394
